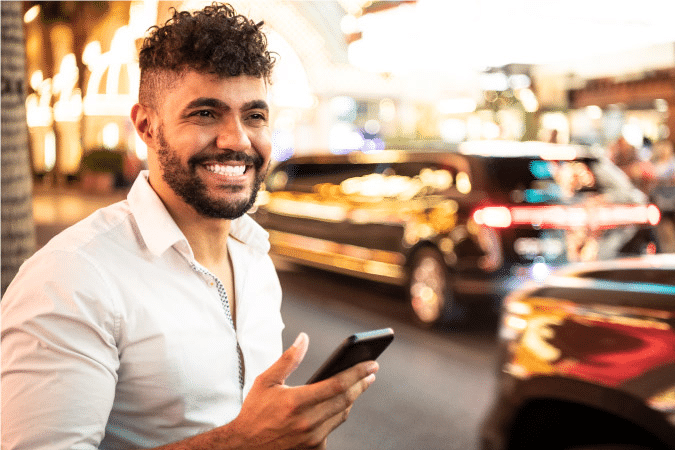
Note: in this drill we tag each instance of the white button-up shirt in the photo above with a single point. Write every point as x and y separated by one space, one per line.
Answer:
113 336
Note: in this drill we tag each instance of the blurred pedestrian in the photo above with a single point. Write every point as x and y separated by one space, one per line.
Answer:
664 163
646 150
553 137
156 321
625 156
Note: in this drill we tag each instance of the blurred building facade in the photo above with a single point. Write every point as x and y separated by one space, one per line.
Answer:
83 79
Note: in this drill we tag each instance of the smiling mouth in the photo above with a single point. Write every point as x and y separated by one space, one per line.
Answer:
227 170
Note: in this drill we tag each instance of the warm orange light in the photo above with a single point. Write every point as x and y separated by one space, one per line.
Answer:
31 14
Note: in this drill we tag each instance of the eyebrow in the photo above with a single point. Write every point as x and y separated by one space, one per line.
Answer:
219 104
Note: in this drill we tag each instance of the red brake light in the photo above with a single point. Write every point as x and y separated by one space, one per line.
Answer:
567 217
493 216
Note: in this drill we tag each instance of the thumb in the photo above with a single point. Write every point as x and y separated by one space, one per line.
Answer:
288 362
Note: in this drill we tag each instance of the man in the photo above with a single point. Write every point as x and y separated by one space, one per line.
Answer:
155 322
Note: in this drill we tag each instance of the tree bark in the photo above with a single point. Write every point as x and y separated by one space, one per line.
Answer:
18 228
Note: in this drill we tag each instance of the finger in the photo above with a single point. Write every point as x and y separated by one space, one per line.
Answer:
287 363
321 446
340 403
327 427
345 380
344 401
315 394
323 417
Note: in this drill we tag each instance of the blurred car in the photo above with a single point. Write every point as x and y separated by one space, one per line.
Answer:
587 360
456 226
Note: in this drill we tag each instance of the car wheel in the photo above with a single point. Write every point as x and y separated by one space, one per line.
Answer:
429 288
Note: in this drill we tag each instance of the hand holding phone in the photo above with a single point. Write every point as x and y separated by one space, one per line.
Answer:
359 347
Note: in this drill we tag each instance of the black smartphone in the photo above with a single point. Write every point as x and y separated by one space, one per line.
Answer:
359 347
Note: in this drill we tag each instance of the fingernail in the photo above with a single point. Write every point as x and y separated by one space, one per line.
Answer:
301 337
370 379
372 367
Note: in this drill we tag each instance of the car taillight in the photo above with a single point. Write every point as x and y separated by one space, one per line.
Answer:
567 217
653 214
493 216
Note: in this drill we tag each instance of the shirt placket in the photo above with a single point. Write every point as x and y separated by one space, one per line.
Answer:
222 293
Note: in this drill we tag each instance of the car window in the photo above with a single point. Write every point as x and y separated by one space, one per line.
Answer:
404 180
533 180
304 176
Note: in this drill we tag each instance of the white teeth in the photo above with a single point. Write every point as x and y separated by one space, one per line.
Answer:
226 169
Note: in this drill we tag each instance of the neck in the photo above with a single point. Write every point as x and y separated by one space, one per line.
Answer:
207 238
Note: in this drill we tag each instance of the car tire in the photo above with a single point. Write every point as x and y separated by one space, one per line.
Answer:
430 294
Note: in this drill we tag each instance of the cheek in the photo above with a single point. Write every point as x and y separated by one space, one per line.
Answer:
153 162
195 140
262 142
189 142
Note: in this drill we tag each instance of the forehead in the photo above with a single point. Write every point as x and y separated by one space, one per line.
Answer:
234 91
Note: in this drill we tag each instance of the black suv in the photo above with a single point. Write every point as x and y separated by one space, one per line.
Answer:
454 226
587 360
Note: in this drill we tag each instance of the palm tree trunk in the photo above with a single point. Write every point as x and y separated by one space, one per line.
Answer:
18 229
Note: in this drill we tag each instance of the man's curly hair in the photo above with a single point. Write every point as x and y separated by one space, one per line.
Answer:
213 40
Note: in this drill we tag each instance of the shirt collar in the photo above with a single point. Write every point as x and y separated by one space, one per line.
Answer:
157 227
160 232
247 230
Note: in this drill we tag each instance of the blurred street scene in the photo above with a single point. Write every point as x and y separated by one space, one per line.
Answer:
430 158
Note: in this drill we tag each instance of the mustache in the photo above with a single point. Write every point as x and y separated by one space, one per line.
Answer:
225 156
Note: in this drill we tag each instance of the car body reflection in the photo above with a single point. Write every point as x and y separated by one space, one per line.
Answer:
588 359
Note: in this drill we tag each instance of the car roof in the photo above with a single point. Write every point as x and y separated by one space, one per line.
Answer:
664 261
527 149
481 149
646 282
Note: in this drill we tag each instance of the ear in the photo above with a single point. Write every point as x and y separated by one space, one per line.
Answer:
143 119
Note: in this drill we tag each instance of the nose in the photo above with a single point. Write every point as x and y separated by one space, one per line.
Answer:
233 135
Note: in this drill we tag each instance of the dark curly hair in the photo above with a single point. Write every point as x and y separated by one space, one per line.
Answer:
213 40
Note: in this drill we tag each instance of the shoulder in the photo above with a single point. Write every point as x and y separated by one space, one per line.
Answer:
101 223
70 267
60 292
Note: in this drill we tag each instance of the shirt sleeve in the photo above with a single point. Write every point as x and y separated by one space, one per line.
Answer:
59 355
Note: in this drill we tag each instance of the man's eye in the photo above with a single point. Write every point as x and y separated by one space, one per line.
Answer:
258 116
203 113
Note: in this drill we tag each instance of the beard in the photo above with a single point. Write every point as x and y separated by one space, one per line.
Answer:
183 180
